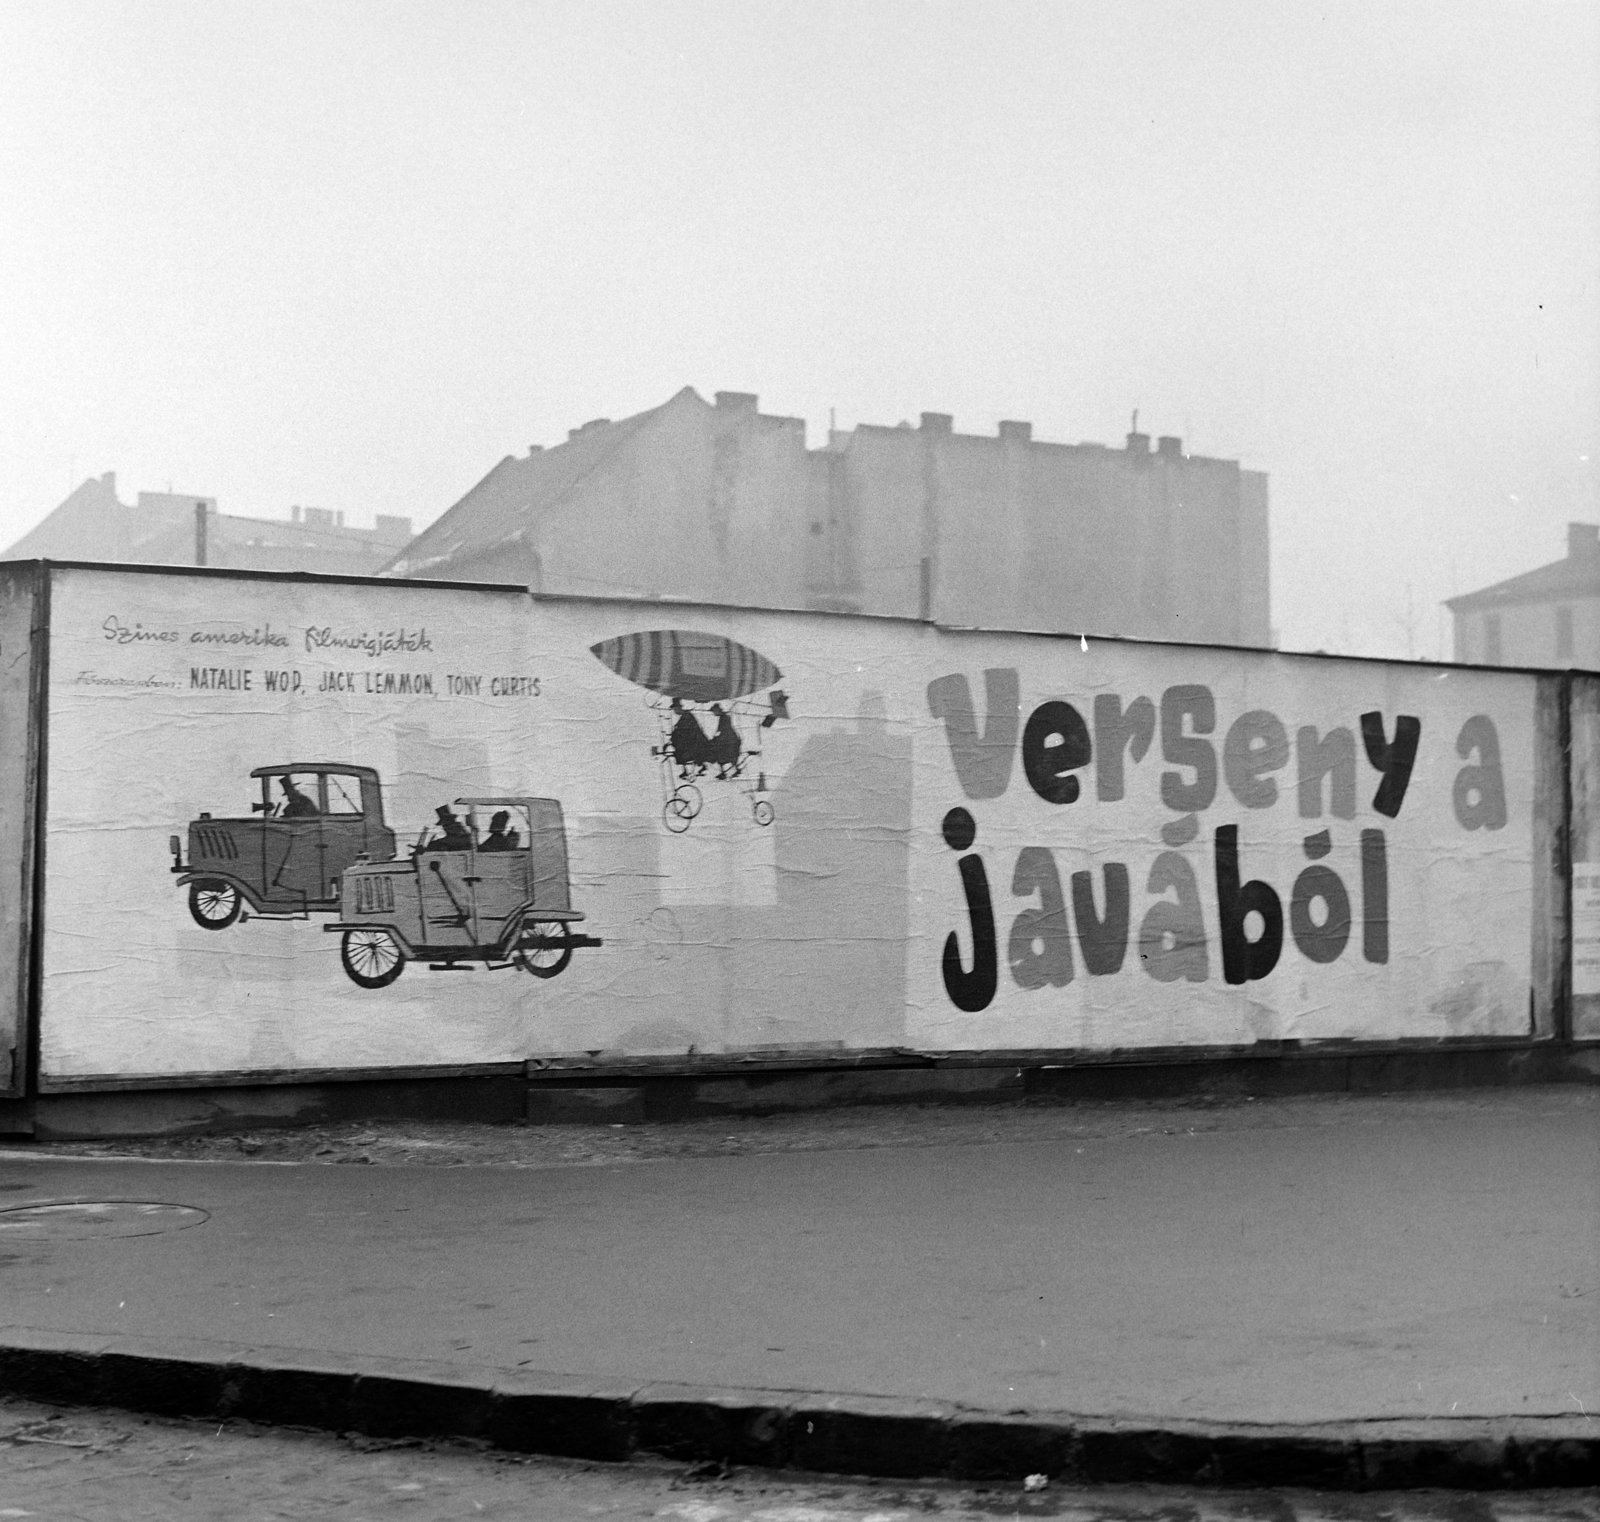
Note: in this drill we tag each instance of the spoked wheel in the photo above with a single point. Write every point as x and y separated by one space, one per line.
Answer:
763 811
371 957
214 904
676 814
689 794
544 948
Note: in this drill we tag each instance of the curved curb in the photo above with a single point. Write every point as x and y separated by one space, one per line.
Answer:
576 1417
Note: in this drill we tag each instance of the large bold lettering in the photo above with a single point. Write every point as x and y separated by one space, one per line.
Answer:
1479 793
1040 948
1172 939
982 762
1182 749
1374 896
1394 759
1320 941
1333 757
1055 743
1104 941
1242 958
971 991
1257 743
1114 731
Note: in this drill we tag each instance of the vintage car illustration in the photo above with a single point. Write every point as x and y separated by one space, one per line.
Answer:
312 820
486 884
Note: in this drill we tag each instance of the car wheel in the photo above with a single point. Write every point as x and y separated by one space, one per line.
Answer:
552 949
214 904
372 958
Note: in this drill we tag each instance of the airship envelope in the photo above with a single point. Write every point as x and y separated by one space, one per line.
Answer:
680 663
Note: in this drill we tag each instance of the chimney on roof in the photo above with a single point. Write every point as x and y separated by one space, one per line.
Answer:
534 449
937 422
1169 448
1021 432
594 422
1583 541
294 514
738 401
1139 443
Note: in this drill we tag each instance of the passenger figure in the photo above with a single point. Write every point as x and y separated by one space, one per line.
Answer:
725 745
499 837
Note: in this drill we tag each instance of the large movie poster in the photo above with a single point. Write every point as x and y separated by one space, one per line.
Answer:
300 826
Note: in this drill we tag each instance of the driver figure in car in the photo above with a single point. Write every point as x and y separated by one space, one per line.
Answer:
296 805
452 836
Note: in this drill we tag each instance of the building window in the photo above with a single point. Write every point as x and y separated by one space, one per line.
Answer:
1491 639
1563 634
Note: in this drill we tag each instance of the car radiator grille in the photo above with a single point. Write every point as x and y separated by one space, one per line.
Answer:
374 895
216 843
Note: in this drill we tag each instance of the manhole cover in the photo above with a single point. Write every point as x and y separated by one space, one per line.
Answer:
60 1220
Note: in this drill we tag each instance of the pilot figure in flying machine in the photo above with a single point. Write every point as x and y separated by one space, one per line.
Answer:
689 744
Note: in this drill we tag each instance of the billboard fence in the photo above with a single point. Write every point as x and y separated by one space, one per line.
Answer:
261 828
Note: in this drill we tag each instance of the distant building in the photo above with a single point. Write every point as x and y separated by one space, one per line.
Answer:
160 529
1547 617
720 503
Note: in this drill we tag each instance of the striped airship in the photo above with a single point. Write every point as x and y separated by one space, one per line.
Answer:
682 663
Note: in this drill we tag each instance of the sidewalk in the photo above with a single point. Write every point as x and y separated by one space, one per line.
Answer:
1416 1286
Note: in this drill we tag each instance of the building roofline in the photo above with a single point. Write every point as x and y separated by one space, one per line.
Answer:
1542 584
1468 602
615 435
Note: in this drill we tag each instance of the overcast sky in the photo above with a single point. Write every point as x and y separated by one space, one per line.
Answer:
350 254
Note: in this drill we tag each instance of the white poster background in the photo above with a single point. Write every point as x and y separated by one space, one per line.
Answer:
823 930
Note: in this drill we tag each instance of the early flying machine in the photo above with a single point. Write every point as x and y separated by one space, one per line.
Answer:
687 673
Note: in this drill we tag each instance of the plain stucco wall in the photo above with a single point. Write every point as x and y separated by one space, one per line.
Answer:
1528 634
1059 537
706 506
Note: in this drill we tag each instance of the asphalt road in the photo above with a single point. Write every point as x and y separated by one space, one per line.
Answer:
1433 1261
